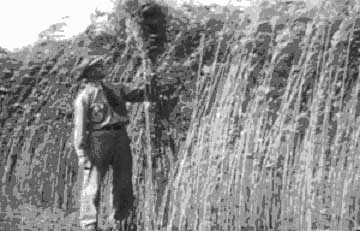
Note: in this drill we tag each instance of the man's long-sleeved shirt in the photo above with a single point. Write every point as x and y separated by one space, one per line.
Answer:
94 110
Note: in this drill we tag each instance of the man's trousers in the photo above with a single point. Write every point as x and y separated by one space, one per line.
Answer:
109 151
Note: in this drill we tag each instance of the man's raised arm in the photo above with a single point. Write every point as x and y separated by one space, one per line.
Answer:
138 94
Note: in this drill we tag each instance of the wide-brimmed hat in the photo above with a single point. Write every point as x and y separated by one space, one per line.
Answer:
85 64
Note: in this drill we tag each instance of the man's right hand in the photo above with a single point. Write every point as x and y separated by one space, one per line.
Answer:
83 160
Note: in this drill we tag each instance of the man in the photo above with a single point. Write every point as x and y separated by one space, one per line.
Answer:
101 141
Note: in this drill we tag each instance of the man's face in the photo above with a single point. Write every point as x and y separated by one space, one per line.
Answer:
100 70
95 72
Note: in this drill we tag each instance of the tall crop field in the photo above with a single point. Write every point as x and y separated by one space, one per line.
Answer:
274 136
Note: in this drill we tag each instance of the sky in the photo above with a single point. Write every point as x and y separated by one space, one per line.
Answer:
21 21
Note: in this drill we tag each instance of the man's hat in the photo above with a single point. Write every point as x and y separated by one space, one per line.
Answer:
81 69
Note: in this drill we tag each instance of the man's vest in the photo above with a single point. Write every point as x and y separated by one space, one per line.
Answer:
104 107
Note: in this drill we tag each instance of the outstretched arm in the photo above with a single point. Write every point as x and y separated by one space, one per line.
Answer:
136 94
133 94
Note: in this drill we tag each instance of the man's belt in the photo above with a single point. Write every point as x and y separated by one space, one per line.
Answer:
111 127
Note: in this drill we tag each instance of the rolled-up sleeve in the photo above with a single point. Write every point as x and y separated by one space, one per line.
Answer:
80 120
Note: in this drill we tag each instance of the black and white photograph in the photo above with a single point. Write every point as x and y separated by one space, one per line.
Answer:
180 115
